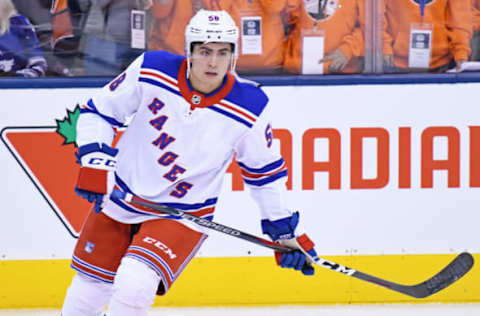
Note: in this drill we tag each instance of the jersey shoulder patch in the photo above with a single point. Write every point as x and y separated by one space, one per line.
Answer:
162 61
248 96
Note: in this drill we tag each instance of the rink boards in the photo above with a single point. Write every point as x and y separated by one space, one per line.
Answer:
387 179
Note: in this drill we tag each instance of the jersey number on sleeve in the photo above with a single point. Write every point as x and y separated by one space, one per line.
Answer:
115 83
269 135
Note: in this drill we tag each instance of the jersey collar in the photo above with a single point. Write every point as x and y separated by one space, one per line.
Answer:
198 99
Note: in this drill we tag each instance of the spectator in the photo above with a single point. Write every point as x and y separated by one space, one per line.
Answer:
38 13
328 32
20 53
262 36
67 20
170 16
58 25
439 33
475 43
108 36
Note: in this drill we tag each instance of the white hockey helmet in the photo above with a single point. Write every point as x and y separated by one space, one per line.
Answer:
211 26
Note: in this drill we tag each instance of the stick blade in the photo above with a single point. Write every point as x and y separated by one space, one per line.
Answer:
451 273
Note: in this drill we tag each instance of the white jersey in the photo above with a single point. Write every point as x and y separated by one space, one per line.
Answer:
179 142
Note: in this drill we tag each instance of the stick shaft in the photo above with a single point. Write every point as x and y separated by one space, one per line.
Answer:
452 272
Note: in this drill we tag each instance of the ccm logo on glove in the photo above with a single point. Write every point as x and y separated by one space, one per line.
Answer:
102 162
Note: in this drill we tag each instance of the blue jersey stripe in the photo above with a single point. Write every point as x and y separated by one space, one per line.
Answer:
159 84
156 257
187 207
93 276
267 180
271 166
83 263
180 206
122 184
236 118
93 109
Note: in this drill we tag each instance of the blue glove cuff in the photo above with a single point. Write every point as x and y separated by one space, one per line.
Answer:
95 147
281 229
92 198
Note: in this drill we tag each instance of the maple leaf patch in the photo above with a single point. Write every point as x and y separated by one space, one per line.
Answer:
67 127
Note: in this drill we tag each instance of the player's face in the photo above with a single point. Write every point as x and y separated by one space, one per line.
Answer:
209 65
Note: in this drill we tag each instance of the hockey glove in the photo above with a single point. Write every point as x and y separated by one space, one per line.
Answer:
96 176
288 232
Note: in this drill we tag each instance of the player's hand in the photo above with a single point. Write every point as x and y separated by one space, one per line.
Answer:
459 63
338 61
27 73
96 176
288 232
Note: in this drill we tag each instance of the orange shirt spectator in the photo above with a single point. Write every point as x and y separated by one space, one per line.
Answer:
451 22
342 23
476 14
272 32
170 17
475 43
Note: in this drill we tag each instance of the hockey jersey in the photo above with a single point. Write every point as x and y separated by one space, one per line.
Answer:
179 142
20 52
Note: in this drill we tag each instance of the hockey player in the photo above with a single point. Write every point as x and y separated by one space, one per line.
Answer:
188 116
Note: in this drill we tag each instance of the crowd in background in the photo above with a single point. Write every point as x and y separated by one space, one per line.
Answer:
101 37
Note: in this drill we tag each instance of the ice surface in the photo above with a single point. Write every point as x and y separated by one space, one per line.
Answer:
323 310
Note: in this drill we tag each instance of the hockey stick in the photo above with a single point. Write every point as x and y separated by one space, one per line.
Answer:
448 275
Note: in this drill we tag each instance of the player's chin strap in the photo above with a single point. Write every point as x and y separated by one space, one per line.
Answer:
457 268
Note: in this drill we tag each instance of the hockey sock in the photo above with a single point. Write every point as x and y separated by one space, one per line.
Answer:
86 297
134 289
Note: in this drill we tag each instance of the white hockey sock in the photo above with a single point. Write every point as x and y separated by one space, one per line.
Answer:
117 308
86 297
134 289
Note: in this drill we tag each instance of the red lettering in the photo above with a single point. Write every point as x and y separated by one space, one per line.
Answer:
358 180
285 138
404 157
237 180
474 156
310 166
356 158
451 164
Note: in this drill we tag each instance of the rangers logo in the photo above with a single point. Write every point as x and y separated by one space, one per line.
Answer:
196 99
89 247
